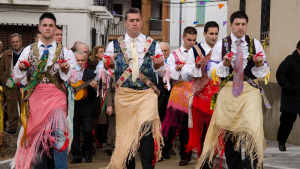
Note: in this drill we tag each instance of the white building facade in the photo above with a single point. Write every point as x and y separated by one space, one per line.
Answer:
84 21
193 10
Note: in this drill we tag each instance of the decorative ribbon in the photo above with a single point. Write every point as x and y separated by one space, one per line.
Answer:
107 63
96 139
155 150
198 59
101 75
214 75
62 61
267 78
66 144
167 77
26 63
259 54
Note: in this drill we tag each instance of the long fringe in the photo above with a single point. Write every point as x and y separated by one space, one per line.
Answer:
41 139
201 122
173 119
238 137
147 128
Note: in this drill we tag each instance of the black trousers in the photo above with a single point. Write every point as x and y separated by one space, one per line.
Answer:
146 153
184 137
234 158
287 120
85 124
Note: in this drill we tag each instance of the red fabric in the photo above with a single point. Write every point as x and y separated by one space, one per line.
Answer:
96 139
42 101
201 122
155 150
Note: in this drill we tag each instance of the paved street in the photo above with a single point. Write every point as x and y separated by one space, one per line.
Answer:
274 159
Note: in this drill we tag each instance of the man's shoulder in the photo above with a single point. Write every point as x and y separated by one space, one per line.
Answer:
7 53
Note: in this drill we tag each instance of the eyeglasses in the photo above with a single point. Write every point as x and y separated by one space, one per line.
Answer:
101 52
164 50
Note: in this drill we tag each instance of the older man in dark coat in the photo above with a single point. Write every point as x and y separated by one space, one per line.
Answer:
288 77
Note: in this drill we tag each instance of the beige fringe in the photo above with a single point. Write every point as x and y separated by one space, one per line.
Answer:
147 127
239 137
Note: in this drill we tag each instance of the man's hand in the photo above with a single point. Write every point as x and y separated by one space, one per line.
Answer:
158 62
65 66
198 63
227 59
109 110
258 59
179 67
23 66
166 87
94 84
111 62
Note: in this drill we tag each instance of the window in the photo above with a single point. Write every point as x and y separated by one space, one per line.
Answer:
243 5
200 17
26 30
265 20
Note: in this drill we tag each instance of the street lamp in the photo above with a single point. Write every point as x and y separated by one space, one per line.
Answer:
117 19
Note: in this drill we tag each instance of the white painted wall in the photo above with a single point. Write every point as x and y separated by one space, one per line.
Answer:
212 13
73 14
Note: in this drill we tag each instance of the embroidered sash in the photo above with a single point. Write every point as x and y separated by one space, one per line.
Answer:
200 83
178 57
128 71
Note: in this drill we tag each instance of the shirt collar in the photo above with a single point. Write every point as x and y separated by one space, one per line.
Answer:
18 52
206 47
182 49
40 43
233 38
140 38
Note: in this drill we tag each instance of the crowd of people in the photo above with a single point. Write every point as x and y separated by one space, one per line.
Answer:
137 95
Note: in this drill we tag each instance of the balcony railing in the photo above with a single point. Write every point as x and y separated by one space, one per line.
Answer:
107 3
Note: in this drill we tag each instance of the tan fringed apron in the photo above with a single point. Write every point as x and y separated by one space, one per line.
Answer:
136 116
241 117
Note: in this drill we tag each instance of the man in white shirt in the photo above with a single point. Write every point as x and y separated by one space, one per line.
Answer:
134 59
177 109
203 88
46 64
237 113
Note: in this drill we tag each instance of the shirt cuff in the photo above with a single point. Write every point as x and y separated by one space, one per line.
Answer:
64 76
222 71
260 71
161 71
18 74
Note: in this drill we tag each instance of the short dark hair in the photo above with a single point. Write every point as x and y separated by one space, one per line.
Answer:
210 24
189 30
238 14
132 10
298 45
48 15
37 31
59 27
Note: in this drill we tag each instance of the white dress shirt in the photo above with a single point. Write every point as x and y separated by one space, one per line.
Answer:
68 54
189 70
141 39
172 63
223 71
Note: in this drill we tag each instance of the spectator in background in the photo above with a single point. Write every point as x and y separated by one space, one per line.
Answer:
165 48
288 77
58 34
74 47
37 35
96 57
10 89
